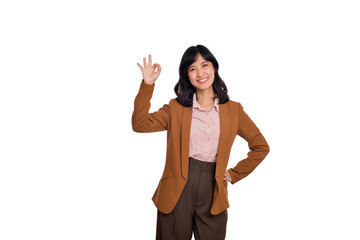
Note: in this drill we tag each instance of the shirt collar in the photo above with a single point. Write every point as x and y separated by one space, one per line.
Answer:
196 104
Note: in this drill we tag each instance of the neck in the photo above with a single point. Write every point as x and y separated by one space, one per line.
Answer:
205 97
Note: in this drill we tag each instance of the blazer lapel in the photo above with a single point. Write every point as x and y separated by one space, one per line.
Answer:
224 123
185 140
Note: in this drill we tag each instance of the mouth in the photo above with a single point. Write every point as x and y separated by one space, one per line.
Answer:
202 80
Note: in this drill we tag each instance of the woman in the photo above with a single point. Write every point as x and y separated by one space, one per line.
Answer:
201 125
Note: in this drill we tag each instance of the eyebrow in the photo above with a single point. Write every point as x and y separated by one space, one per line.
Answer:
200 64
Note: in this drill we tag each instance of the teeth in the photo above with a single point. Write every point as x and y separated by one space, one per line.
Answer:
203 80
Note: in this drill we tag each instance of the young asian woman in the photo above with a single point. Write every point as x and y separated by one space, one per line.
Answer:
201 124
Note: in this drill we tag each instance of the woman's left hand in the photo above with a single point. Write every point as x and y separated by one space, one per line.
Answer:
227 176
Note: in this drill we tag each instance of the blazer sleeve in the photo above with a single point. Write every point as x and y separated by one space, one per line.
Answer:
258 146
142 120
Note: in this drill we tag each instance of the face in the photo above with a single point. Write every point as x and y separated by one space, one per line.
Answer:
201 73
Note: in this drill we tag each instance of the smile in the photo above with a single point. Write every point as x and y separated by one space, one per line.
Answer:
203 80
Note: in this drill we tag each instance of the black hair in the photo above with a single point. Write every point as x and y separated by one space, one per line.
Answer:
184 90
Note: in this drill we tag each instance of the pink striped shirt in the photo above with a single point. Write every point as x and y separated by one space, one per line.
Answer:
205 132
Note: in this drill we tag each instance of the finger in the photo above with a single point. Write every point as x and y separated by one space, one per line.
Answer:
157 67
150 60
140 66
144 59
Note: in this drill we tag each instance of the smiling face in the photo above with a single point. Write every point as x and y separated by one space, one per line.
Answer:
201 73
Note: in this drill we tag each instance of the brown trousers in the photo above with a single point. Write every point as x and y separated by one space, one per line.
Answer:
192 211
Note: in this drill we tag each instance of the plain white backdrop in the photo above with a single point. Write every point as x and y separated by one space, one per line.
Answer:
72 168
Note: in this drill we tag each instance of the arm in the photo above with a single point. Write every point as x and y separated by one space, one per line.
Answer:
142 120
257 145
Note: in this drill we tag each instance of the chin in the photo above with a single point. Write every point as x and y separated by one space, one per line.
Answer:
203 87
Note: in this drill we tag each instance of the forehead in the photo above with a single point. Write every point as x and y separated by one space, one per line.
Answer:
199 58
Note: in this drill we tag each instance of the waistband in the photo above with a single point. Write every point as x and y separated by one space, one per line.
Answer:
205 166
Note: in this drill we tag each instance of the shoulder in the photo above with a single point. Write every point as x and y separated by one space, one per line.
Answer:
175 105
234 104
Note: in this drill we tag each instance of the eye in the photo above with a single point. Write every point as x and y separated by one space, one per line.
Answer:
191 69
205 65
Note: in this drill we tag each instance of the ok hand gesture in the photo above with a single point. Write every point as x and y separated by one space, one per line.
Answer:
148 71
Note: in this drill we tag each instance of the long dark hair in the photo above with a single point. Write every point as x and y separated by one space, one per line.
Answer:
184 90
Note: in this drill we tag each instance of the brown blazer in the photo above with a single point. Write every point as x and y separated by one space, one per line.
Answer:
176 119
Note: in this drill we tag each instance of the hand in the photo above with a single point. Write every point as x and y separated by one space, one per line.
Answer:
148 71
227 176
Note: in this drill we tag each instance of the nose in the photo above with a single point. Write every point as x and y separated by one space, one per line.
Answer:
200 72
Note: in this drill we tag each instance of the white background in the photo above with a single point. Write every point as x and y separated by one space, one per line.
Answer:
71 166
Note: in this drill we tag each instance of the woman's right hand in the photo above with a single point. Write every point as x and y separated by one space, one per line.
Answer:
148 71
